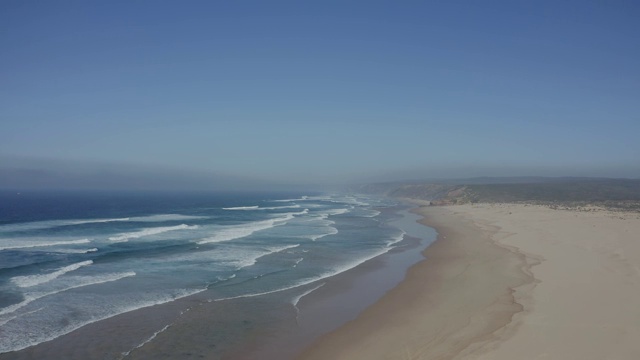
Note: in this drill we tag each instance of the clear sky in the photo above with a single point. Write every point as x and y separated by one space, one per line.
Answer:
325 91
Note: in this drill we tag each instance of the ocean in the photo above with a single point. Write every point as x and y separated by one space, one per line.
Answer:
112 273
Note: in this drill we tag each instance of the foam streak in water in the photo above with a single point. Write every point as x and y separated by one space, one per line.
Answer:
251 260
330 231
307 281
33 280
263 208
303 282
372 213
280 207
337 212
149 231
25 244
296 299
91 221
397 239
76 251
292 200
233 232
39 225
125 354
83 281
19 342
166 217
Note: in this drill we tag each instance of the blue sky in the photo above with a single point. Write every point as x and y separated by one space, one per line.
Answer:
325 91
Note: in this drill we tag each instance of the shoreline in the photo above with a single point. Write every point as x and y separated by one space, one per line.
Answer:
506 281
501 281
442 306
183 326
341 298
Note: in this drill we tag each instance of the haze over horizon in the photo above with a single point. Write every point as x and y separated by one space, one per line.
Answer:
285 93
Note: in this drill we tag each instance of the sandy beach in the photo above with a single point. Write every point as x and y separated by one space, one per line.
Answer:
508 282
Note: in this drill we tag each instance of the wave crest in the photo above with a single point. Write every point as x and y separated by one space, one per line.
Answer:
149 231
33 280
232 232
21 244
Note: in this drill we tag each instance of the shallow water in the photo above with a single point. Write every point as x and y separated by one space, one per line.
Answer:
245 267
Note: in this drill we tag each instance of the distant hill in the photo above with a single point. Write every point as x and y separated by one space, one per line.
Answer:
613 193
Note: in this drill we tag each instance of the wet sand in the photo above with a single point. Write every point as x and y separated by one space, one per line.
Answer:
507 282
461 292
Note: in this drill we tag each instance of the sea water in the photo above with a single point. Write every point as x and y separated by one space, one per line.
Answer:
68 260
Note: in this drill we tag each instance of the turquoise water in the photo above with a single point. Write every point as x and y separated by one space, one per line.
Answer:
69 260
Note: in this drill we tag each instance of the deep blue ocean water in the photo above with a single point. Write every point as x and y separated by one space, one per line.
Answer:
71 259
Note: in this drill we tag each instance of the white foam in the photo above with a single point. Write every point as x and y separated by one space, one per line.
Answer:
8 319
33 280
349 200
397 239
232 232
351 265
334 212
126 353
91 221
280 207
303 212
319 198
149 231
77 251
372 213
9 244
166 217
251 208
328 274
220 278
320 219
303 198
303 282
277 249
354 201
330 231
246 262
19 341
81 281
37 225
298 262
251 259
323 221
296 299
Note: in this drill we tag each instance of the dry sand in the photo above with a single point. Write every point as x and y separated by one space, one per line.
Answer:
508 282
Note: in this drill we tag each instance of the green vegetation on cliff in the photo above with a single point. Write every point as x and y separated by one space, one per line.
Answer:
611 193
